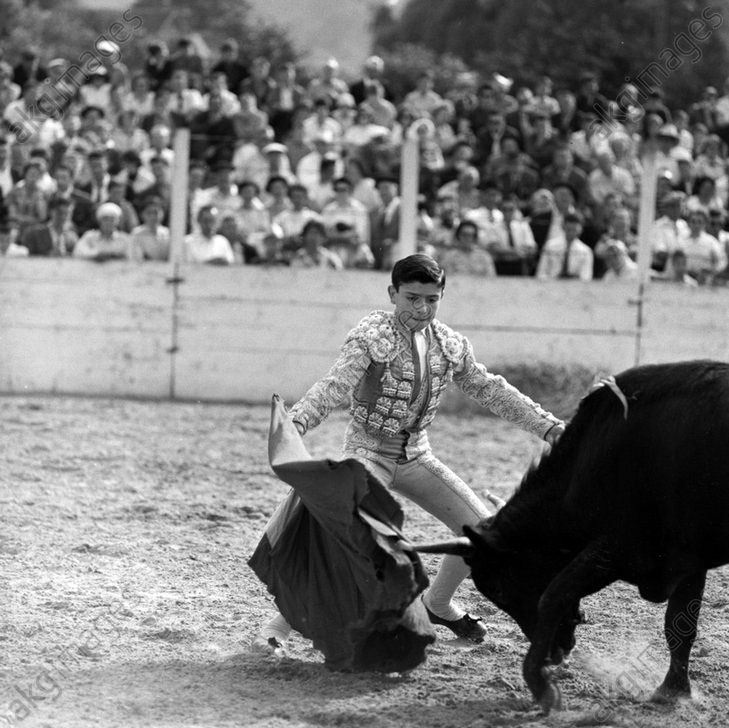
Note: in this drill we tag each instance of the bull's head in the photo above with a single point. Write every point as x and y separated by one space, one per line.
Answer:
513 580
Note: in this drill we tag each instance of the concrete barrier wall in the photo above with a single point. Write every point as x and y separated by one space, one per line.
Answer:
118 329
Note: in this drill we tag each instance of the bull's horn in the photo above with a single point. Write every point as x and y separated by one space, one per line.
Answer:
456 546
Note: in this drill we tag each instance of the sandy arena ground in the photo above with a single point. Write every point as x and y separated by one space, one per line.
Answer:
126 599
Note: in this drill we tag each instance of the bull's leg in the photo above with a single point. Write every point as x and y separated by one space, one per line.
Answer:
589 572
682 615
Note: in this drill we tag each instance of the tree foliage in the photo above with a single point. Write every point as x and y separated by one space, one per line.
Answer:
524 39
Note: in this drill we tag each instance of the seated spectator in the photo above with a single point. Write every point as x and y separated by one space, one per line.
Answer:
97 91
430 155
346 219
686 172
250 122
705 257
205 245
140 98
491 135
566 256
619 230
562 170
81 209
157 66
313 254
230 105
285 97
94 131
363 187
513 171
543 140
259 82
308 170
56 237
185 56
382 111
705 196
97 187
129 218
278 162
465 255
543 102
716 226
372 72
464 189
127 136
9 91
321 192
320 123
46 183
252 216
151 239
488 214
223 195
8 177
385 223
544 220
213 134
183 102
608 178
160 188
106 242
276 199
291 220
512 244
133 175
667 230
676 271
26 204
423 99
160 138
361 132
243 251
618 264
230 65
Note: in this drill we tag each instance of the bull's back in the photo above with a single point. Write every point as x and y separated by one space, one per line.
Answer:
657 479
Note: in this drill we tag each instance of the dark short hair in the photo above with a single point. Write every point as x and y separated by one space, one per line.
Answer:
418 268
466 224
314 225
57 201
276 178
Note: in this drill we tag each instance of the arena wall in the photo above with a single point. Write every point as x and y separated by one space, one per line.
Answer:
239 334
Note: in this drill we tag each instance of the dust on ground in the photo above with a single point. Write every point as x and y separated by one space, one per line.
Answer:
127 601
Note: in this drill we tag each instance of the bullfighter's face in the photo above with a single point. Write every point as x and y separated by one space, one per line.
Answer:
416 304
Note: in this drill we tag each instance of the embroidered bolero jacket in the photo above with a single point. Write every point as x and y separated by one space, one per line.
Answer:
375 371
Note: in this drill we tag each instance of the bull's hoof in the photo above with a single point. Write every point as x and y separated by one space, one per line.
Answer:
665 694
550 699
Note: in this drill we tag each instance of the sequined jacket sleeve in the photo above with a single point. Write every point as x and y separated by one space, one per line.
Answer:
336 387
496 394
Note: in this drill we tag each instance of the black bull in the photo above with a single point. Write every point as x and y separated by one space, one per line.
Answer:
638 494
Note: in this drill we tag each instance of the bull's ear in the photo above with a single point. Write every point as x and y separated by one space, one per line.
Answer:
458 546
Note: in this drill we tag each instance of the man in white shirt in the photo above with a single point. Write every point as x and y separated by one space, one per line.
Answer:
206 246
566 256
705 257
667 230
291 222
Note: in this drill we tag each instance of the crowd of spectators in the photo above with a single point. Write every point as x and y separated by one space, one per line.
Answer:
297 171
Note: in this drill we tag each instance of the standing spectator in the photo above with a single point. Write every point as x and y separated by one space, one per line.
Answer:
205 245
29 69
465 255
230 65
372 75
284 98
327 85
106 242
566 256
185 56
151 239
157 66
183 102
313 254
259 83
56 237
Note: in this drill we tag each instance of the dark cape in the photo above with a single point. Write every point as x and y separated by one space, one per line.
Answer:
334 558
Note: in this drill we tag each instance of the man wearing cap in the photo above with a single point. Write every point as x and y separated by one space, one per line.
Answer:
278 162
372 70
327 85
106 242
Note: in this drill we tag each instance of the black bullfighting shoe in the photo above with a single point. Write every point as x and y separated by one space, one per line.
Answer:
467 627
